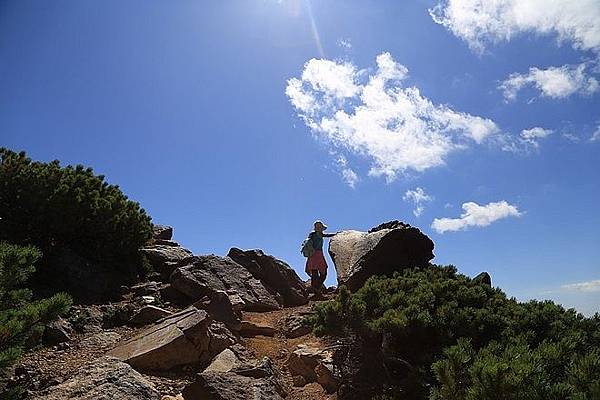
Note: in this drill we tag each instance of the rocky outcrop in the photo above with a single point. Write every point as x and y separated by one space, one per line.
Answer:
483 278
387 248
207 274
187 337
165 258
162 232
275 274
230 377
106 378
220 307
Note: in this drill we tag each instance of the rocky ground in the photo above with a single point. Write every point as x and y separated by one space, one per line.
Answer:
208 327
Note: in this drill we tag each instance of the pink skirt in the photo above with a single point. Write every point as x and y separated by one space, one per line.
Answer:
316 262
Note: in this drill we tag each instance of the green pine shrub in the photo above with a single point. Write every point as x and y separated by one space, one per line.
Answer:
56 208
466 340
22 319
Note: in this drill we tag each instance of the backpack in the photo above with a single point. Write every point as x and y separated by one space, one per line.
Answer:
307 248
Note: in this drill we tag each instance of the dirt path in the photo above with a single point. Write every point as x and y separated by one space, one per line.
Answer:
279 347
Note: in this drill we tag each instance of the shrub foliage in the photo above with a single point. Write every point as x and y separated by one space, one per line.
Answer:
466 340
22 319
54 207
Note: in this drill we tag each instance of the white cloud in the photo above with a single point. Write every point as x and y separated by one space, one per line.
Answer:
345 43
476 215
481 22
590 286
596 135
375 116
553 82
418 197
348 175
533 135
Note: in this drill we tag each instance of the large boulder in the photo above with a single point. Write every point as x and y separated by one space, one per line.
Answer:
230 377
275 274
105 378
183 338
390 247
165 258
206 275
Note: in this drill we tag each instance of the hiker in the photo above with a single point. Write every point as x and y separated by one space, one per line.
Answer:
316 266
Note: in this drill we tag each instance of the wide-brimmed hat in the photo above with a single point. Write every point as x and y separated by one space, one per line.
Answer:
319 224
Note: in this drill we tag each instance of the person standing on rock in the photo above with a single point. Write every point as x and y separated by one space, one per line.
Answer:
316 266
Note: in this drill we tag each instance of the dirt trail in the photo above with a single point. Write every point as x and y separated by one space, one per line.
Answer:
279 347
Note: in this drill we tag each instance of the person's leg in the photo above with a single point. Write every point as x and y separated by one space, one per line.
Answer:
322 277
314 280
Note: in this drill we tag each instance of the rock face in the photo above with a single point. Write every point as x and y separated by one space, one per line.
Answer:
183 338
275 274
207 274
162 232
229 377
389 247
106 378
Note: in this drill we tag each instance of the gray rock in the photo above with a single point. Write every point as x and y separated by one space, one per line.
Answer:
106 378
166 258
230 378
360 255
220 308
275 274
483 278
57 332
149 314
186 337
163 232
309 364
294 326
208 274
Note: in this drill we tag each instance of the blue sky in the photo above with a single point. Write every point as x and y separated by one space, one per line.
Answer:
240 122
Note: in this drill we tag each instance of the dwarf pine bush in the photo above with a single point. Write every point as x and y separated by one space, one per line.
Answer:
54 207
22 319
466 340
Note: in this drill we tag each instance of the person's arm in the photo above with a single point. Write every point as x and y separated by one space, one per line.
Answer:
328 234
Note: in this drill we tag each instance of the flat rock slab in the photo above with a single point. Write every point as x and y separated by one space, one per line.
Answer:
180 339
207 274
149 314
251 329
106 378
388 248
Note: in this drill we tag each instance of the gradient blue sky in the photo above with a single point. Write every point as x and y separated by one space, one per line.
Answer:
183 104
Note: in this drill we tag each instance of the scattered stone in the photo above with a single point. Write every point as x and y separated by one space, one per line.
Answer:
162 232
483 278
275 274
106 378
57 332
251 329
145 289
208 274
308 364
102 340
149 314
148 299
294 326
181 339
389 247
167 397
231 378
